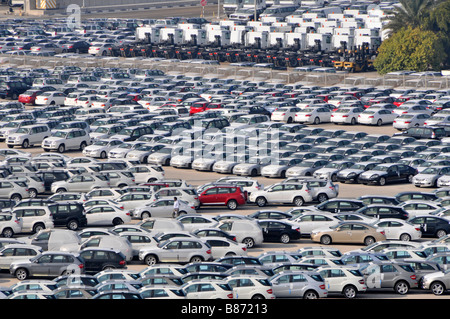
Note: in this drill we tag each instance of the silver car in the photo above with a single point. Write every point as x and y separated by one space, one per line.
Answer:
49 263
429 176
298 284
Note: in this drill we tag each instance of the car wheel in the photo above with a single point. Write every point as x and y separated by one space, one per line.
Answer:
349 292
61 148
196 259
379 122
61 190
353 121
72 224
151 260
382 181
151 180
401 287
7 233
232 204
38 227
32 192
299 201
405 237
325 240
25 144
285 239
16 198
316 121
103 155
437 288
82 146
441 233
145 215
322 197
289 120
249 242
21 274
261 201
254 173
311 294
258 296
369 240
117 221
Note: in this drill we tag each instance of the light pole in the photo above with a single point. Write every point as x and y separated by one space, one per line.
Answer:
218 9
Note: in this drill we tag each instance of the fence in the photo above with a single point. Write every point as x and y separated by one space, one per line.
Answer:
225 70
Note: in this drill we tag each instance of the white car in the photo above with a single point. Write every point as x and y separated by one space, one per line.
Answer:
34 218
313 115
80 183
247 231
376 117
309 221
437 119
419 207
397 229
50 98
282 193
347 281
405 121
210 289
106 131
221 247
106 215
17 252
162 208
101 148
346 115
123 149
28 135
86 100
69 139
250 287
135 200
197 221
9 225
147 173
430 175
285 114
412 109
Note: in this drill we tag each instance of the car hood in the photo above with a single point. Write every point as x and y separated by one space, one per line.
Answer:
349 171
370 173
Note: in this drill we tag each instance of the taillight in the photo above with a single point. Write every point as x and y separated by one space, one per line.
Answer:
208 251
297 229
322 287
269 291
413 277
417 228
361 281
122 262
382 232
244 248
81 266
230 296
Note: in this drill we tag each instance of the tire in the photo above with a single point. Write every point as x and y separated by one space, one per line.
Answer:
382 181
61 190
21 274
349 292
369 240
151 260
258 296
151 180
437 288
38 227
299 201
249 242
285 239
379 122
289 120
103 155
7 233
16 198
311 294
25 144
33 192
401 287
325 240
145 215
61 148
254 173
10 146
196 259
117 221
322 197
353 121
316 121
261 201
72 224
334 178
232 204
441 233
405 237
83 146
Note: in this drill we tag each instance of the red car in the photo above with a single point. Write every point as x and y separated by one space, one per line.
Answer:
213 106
198 107
400 100
29 96
230 196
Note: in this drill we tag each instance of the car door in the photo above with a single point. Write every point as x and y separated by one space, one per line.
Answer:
41 240
209 196
275 194
89 261
333 279
42 266
170 251
343 234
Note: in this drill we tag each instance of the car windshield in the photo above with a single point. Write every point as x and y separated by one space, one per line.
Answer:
59 134
101 130
381 168
101 143
12 124
431 170
23 130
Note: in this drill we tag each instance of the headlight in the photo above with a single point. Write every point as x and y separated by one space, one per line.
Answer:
351 175
374 176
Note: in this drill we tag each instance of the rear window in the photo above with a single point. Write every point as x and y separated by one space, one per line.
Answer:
317 277
356 273
264 282
407 268
225 287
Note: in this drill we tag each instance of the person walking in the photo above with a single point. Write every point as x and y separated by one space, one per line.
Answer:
176 207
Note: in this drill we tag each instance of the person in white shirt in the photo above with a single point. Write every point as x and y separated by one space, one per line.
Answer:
176 207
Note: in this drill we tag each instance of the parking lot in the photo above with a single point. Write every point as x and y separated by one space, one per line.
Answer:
113 115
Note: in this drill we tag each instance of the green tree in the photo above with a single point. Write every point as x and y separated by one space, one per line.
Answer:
411 49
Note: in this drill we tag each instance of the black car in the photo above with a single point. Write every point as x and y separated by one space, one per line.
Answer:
98 259
412 195
387 173
379 199
76 47
12 89
51 176
278 231
432 226
383 211
336 205
69 214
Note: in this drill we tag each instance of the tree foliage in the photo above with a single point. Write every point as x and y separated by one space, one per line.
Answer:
410 49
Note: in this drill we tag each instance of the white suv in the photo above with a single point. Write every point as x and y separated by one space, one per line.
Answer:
147 173
284 193
80 183
69 139
10 225
14 190
346 281
28 135
250 287
34 218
